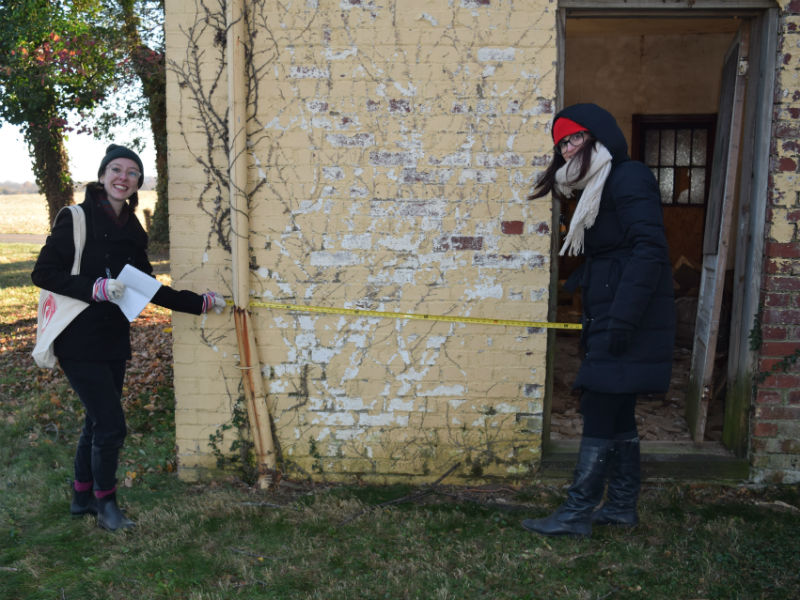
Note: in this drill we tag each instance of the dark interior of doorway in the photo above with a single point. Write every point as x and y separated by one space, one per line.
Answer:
659 417
671 81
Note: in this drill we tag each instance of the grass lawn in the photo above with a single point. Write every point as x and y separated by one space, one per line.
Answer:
223 539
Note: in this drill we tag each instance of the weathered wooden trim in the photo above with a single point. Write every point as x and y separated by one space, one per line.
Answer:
660 460
668 6
748 272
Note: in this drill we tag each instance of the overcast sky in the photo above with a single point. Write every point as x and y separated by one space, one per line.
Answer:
85 154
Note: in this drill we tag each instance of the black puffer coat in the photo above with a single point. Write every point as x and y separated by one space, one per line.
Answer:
101 331
626 279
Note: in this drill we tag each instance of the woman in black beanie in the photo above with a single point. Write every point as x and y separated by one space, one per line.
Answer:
94 347
628 310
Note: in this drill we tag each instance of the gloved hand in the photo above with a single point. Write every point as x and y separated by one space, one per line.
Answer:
215 301
106 289
618 341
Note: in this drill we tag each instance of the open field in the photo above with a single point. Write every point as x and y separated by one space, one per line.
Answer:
27 213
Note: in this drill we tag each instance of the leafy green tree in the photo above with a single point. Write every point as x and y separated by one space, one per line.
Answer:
52 64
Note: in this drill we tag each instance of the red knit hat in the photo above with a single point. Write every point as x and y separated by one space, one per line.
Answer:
564 127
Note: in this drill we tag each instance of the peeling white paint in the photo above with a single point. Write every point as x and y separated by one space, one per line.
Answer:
382 420
429 19
410 90
332 54
445 390
400 404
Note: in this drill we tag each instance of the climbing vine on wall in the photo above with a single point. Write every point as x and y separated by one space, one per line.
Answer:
354 198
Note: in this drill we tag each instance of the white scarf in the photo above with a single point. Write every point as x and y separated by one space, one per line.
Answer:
589 203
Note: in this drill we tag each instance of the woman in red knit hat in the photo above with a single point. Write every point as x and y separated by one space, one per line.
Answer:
628 310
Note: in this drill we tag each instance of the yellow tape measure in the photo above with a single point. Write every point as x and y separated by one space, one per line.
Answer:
357 312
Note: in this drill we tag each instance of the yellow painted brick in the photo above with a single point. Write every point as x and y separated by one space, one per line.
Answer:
780 230
314 117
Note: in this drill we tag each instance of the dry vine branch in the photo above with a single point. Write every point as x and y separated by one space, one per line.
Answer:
421 493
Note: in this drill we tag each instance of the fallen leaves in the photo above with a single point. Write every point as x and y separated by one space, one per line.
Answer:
47 393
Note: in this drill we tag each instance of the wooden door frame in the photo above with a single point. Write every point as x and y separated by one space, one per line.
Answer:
681 459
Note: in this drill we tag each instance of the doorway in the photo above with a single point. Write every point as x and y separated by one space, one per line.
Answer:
661 74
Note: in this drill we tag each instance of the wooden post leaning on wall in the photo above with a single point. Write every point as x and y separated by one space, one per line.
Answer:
249 363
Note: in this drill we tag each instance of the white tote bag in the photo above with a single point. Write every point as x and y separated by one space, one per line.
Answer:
57 311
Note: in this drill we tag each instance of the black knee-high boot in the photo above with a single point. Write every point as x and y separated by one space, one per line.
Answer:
109 516
83 503
624 482
574 517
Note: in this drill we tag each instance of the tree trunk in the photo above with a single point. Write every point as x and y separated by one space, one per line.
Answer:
51 167
149 65
150 68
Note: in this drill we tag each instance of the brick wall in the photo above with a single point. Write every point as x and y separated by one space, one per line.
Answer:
776 420
392 146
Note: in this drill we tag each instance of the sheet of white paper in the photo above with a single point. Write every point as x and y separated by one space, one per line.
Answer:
139 290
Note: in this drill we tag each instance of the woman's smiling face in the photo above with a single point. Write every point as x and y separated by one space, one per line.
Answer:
120 179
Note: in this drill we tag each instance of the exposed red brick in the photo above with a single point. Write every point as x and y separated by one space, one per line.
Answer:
466 242
399 106
766 364
768 397
776 316
778 413
793 6
788 250
783 284
779 349
782 381
790 446
787 164
794 397
765 430
512 227
543 228
775 333
777 300
786 130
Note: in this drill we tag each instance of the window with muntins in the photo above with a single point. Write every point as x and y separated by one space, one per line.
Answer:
678 150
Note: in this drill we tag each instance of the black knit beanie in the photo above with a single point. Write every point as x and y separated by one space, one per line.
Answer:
113 151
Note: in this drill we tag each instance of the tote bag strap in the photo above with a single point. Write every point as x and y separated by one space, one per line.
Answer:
78 236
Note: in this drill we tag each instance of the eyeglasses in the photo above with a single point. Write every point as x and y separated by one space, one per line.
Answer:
132 174
574 140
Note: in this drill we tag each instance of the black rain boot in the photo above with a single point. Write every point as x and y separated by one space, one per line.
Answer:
623 486
574 517
109 516
83 503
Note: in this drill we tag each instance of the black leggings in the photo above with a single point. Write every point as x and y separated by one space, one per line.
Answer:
99 386
608 416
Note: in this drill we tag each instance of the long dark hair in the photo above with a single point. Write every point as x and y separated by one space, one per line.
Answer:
547 181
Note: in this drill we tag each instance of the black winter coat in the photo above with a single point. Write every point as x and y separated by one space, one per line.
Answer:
101 331
626 278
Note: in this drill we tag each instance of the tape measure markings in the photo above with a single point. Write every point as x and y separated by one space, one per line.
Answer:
420 317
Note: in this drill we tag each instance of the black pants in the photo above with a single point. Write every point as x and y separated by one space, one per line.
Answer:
99 386
608 416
